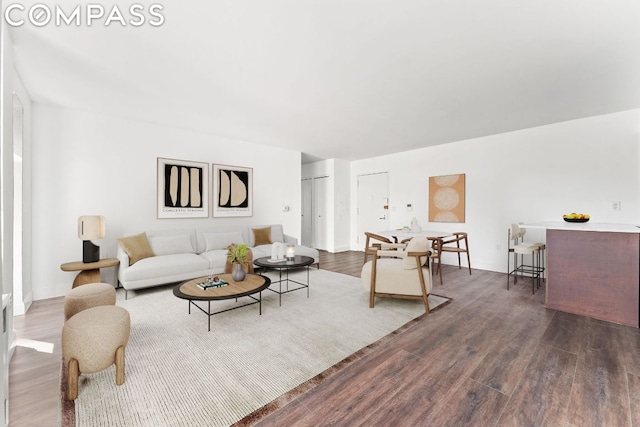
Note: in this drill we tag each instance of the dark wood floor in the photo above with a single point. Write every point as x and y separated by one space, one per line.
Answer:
491 357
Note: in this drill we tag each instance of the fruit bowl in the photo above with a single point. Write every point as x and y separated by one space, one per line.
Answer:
576 219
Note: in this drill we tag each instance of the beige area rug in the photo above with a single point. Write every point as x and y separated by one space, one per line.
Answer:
177 373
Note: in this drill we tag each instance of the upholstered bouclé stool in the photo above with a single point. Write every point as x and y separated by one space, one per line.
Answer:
87 296
93 340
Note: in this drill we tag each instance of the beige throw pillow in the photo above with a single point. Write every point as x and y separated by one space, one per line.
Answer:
137 247
417 244
261 236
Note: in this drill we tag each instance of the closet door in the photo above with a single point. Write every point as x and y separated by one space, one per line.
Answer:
319 213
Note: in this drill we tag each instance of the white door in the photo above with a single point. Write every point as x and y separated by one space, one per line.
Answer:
307 212
373 204
319 213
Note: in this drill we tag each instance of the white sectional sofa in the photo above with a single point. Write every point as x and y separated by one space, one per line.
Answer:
186 254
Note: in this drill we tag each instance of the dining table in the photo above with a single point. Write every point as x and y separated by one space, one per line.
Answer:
402 234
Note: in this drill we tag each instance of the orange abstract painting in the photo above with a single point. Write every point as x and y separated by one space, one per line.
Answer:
446 198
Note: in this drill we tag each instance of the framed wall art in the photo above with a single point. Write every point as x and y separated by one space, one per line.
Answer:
446 198
232 191
183 189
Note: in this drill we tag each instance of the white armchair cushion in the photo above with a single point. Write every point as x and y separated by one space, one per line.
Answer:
168 245
392 278
417 244
215 241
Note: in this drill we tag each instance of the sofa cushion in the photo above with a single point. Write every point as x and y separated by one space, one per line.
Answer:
168 245
275 233
261 236
417 244
166 266
137 247
217 260
215 241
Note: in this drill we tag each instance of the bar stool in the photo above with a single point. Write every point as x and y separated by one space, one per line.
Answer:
517 247
540 245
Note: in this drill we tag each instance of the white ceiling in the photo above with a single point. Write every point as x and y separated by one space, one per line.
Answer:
346 79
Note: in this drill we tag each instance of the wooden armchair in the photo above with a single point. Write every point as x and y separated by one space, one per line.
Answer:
399 271
371 248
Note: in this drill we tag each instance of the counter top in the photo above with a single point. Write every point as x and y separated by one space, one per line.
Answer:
584 226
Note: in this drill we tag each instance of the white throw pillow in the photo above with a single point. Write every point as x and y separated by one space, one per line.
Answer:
417 244
214 241
168 245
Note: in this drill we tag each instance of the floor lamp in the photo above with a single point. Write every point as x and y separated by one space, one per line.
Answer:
91 227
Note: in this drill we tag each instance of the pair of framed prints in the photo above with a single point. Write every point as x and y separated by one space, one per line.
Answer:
183 189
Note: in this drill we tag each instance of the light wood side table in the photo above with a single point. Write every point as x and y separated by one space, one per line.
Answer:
89 271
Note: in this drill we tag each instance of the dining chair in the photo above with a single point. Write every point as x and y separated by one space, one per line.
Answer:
458 237
436 255
371 248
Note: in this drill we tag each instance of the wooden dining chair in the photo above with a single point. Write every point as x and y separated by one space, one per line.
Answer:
436 255
458 237
371 248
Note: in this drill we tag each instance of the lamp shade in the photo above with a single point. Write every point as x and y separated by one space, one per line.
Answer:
91 227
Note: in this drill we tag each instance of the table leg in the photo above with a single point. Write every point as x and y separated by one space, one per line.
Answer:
280 287
86 276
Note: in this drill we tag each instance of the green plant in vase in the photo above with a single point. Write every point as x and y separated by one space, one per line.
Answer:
237 256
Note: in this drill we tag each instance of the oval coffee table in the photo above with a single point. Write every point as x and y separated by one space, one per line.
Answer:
297 262
252 284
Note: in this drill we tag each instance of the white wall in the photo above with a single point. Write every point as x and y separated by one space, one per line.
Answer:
530 175
86 164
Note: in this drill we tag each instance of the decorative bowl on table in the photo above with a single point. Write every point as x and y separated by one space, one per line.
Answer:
576 217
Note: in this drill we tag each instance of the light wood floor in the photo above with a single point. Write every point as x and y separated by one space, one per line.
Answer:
491 357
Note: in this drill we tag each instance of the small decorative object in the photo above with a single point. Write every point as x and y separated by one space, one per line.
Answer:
91 227
291 252
238 273
277 252
576 217
415 228
237 256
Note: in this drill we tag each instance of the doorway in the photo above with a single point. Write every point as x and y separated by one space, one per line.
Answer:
373 204
314 218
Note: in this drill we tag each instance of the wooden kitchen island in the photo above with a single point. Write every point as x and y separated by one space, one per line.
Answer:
593 270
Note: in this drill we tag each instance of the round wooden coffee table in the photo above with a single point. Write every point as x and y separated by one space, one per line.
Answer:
298 261
252 284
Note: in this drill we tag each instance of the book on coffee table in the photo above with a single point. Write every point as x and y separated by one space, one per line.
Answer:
218 284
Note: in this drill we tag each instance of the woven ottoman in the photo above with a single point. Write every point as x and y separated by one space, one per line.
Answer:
87 296
93 340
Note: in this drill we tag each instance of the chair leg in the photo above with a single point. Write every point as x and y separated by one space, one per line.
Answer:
468 257
120 365
372 287
73 372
